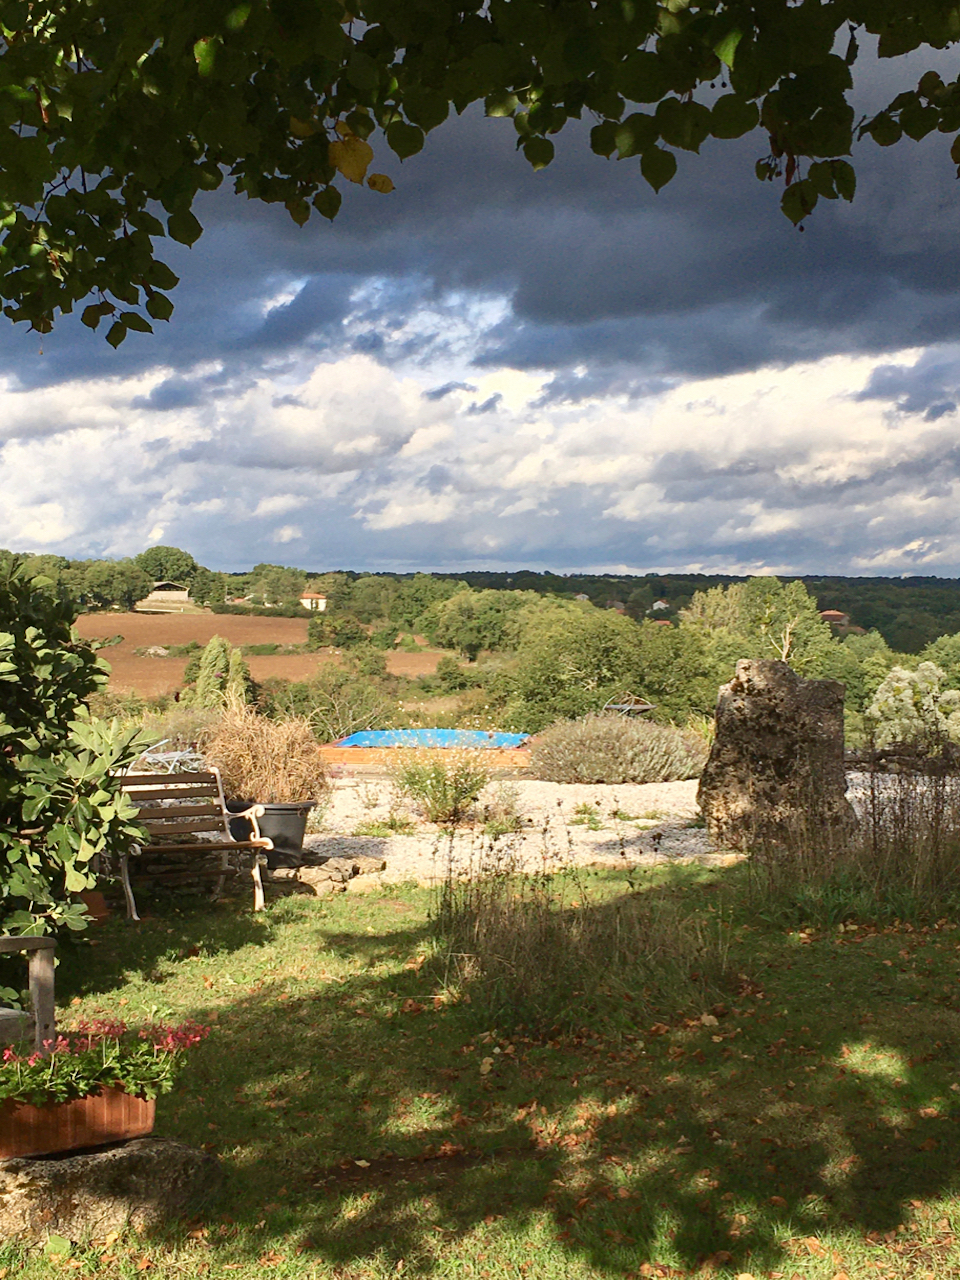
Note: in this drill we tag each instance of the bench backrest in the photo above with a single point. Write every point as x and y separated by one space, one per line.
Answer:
178 804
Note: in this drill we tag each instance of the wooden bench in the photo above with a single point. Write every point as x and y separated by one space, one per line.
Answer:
187 820
41 1021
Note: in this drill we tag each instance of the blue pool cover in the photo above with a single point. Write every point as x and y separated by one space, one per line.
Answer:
432 738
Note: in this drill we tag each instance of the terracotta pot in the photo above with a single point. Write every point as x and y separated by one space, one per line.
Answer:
96 905
108 1116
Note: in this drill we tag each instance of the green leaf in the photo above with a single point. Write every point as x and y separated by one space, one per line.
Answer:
539 152
658 167
799 200
683 124
159 306
184 227
636 134
205 53
298 210
884 130
733 116
428 109
603 138
845 179
93 314
404 139
327 202
641 78
133 320
820 176
57 1246
160 276
500 104
116 334
727 47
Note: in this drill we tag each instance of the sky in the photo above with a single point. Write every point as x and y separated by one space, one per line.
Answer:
496 368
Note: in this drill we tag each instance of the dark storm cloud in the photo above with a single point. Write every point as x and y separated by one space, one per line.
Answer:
438 393
930 387
708 277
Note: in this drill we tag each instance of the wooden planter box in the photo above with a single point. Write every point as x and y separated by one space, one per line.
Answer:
108 1116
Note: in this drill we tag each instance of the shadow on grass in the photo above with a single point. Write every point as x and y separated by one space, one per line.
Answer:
365 1121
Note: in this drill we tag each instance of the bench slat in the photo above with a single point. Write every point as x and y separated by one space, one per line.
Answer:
149 812
176 828
207 846
159 779
183 793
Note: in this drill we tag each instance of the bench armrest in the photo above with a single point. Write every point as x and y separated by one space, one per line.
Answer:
255 812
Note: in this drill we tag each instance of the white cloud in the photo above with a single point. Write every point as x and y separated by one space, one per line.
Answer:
772 468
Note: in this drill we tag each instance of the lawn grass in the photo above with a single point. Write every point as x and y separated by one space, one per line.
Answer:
804 1126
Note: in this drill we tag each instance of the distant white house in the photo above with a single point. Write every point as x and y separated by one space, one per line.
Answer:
314 602
659 604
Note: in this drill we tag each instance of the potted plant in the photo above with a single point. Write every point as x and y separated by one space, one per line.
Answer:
94 1085
274 763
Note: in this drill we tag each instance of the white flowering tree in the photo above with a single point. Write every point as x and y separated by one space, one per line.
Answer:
911 706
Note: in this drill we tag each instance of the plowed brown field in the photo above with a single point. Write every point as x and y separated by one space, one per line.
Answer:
151 677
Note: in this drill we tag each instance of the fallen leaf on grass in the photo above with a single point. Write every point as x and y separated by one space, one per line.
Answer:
778 1201
486 1066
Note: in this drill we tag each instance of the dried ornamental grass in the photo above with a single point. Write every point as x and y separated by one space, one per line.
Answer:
614 749
270 761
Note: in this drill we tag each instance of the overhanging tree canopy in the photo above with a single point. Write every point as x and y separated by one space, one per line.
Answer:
116 114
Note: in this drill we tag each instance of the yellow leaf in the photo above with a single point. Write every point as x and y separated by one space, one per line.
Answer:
380 182
303 128
486 1066
351 156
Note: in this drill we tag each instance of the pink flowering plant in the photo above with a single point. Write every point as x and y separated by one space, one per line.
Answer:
98 1055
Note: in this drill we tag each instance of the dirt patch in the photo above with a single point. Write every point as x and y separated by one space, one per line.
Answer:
139 630
412 665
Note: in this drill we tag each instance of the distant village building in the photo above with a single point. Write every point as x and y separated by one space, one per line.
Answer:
659 604
835 617
314 602
617 606
582 598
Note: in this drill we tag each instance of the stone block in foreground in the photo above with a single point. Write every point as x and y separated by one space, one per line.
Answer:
145 1184
776 772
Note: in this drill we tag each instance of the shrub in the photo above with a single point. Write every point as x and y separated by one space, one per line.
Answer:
611 748
270 761
445 784
537 950
336 702
61 806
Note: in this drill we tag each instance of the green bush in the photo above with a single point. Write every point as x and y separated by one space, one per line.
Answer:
445 784
611 748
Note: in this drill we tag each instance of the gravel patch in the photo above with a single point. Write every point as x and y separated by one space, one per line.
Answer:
630 825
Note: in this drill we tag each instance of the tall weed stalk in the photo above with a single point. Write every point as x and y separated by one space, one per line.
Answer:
539 951
901 861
